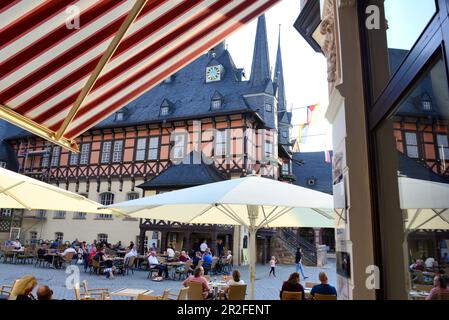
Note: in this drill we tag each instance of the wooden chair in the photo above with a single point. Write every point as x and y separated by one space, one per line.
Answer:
288 295
129 265
5 290
96 267
152 269
423 287
183 294
237 292
195 291
81 296
100 292
185 273
325 297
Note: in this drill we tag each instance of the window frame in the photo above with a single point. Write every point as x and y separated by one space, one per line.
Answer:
152 149
220 143
105 156
117 155
137 149
85 154
55 156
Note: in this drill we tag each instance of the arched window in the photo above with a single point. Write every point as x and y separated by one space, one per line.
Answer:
106 199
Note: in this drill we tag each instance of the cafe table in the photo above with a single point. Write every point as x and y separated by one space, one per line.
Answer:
131 293
418 295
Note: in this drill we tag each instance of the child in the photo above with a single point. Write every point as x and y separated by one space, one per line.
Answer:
109 272
273 262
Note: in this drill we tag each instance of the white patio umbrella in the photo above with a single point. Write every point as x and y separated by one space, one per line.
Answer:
252 202
426 204
21 192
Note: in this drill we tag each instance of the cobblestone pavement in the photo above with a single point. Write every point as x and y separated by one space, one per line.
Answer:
266 288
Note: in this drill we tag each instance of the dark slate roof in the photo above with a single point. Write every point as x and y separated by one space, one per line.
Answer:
260 68
413 169
186 174
6 152
314 165
279 79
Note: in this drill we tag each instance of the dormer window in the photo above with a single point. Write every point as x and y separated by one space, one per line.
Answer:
166 108
268 107
284 134
164 111
119 116
426 102
216 101
216 104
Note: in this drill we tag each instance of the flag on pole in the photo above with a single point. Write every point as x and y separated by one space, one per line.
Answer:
311 114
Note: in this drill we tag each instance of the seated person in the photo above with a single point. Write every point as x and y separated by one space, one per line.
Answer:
153 262
16 244
170 253
293 285
430 263
440 286
42 251
130 253
103 259
228 257
198 276
418 265
324 288
232 282
207 262
44 293
23 287
196 259
184 257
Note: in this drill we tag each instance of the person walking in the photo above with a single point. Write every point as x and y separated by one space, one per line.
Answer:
273 262
298 261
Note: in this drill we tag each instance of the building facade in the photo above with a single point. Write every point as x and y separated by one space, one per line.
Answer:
207 109
389 106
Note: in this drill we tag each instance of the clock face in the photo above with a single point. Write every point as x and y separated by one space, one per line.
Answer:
213 73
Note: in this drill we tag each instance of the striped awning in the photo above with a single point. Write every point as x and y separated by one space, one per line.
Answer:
66 65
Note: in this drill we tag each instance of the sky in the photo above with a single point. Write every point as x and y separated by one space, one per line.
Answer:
305 71
406 20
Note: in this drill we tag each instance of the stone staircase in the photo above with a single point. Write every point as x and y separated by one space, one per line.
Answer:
285 244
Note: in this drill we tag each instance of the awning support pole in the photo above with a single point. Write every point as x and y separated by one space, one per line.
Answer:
132 15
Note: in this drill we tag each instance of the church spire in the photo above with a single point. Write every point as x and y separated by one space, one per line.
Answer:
279 77
260 69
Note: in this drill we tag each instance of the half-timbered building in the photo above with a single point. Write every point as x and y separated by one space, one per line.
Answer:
210 109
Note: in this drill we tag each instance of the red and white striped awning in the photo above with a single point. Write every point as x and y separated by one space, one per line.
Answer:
65 65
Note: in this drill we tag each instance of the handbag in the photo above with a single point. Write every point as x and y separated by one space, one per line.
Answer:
79 261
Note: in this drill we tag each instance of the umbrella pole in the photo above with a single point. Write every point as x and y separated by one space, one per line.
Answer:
253 214
252 261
